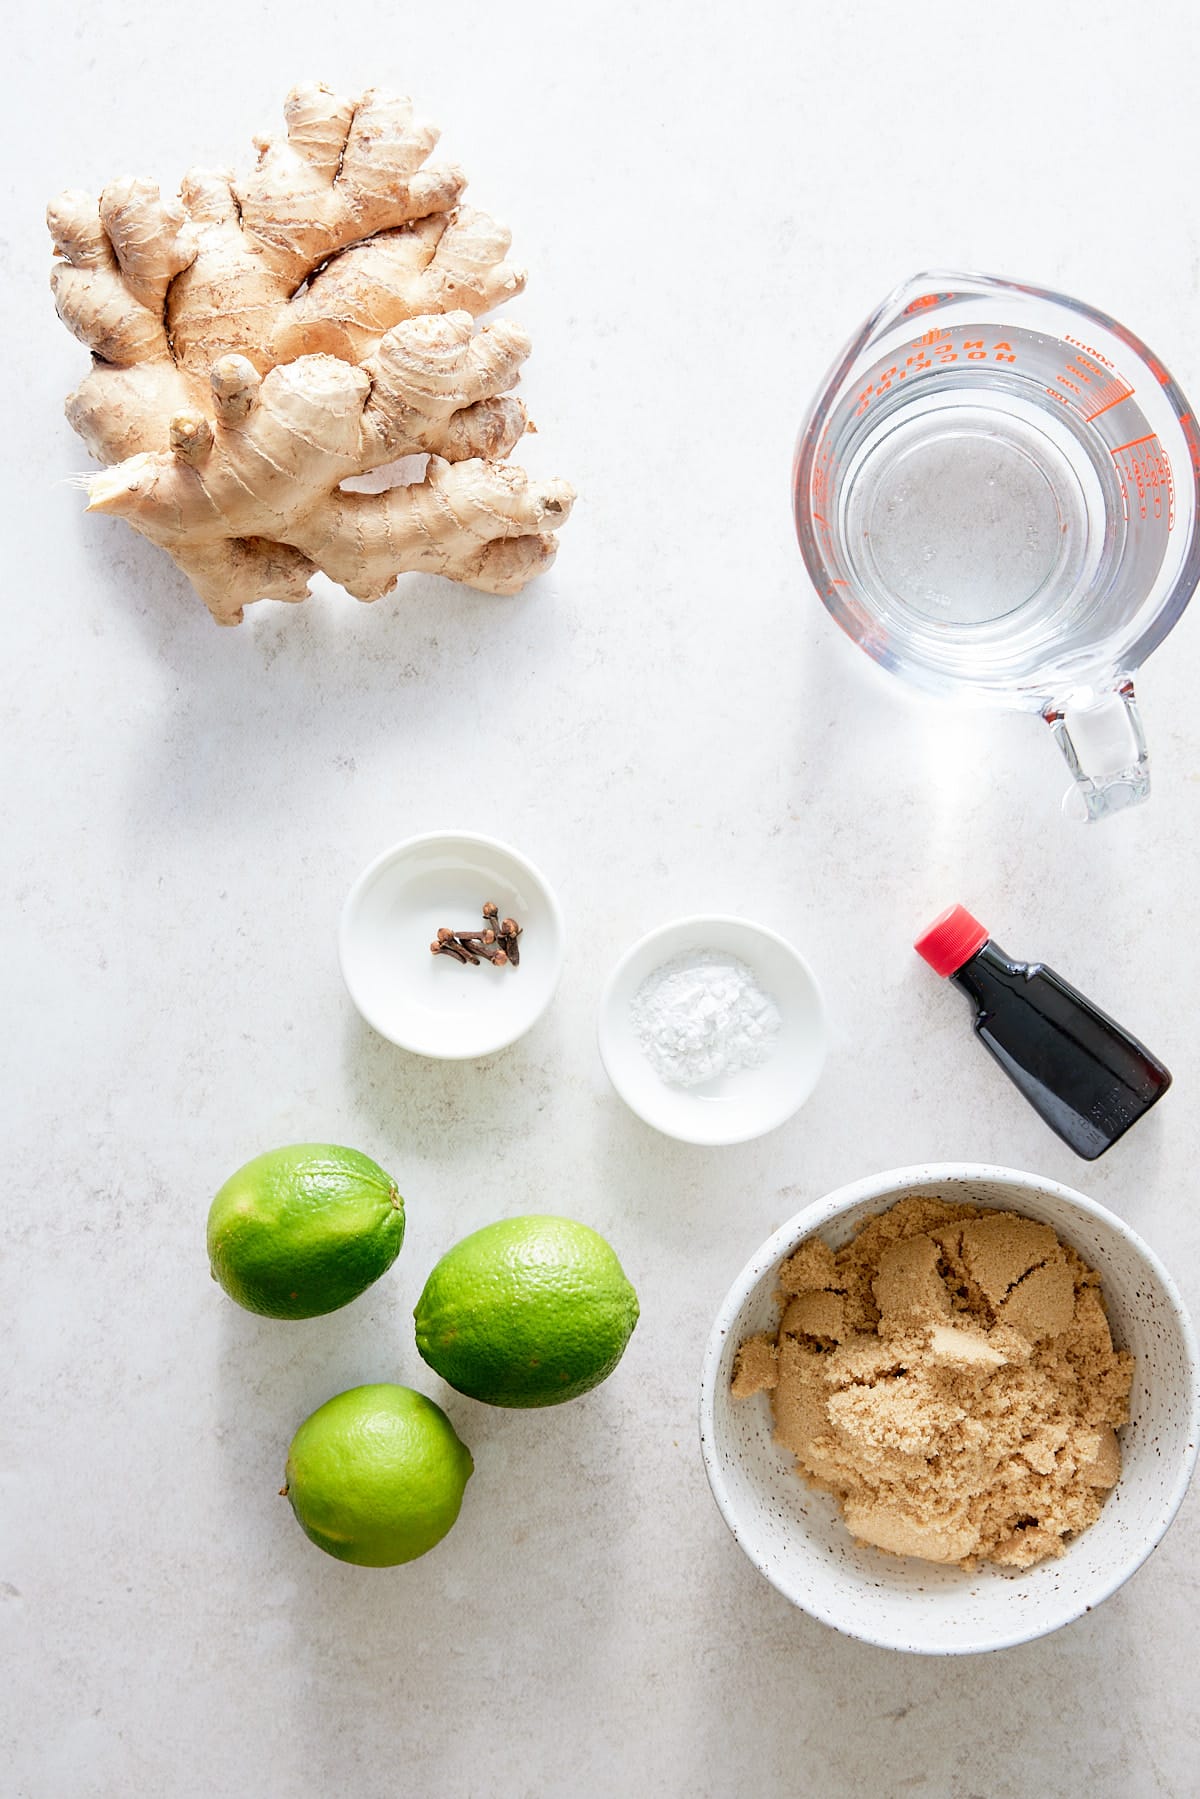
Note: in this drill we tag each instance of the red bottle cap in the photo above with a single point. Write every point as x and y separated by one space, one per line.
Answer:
951 940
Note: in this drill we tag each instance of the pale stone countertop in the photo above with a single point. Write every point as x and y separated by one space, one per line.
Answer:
709 198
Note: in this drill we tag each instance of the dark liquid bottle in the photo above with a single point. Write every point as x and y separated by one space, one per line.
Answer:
1089 1079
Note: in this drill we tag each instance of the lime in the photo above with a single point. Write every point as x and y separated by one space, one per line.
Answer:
376 1476
529 1311
304 1230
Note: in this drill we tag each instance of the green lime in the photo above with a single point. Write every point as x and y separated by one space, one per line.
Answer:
376 1476
304 1230
529 1311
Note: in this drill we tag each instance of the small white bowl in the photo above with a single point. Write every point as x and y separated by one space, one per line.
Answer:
737 1106
794 1534
430 1004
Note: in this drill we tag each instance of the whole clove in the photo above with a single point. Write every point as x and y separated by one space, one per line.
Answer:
456 951
507 936
492 952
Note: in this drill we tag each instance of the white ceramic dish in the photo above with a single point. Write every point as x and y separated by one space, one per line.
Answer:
431 1004
794 1534
737 1106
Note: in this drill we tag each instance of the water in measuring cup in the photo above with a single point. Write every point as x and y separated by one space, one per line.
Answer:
981 514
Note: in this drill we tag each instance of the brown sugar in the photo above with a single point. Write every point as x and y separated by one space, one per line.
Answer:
951 1378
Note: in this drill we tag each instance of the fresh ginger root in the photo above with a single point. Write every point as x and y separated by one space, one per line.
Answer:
258 342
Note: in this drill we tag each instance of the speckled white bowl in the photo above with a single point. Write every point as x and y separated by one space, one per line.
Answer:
794 1534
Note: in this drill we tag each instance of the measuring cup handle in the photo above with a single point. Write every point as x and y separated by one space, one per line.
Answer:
1108 735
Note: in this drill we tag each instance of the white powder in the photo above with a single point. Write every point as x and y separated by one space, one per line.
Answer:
702 1015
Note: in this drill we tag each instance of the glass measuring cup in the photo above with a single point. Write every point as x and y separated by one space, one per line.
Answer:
996 496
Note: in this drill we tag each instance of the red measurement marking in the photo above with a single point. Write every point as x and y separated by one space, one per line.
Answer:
1106 407
820 520
1147 484
1110 393
1087 371
1193 441
1080 345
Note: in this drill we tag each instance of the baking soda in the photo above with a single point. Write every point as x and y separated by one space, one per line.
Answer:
701 1015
